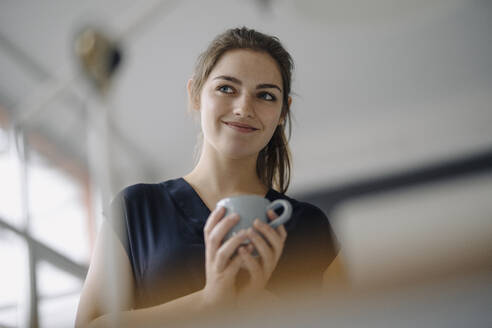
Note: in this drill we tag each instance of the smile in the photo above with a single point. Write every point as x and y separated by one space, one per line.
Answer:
240 127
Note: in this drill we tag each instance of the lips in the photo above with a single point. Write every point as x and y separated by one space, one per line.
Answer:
240 126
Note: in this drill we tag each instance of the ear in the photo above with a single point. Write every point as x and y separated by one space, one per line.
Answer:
192 100
282 117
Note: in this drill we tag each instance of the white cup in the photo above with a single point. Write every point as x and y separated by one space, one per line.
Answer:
252 207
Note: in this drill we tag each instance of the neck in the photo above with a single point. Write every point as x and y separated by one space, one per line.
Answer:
219 175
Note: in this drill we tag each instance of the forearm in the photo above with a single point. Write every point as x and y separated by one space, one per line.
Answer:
185 307
262 297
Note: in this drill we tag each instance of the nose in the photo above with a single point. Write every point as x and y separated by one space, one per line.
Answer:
244 107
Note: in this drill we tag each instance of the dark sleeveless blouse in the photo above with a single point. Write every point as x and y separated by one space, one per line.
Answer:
161 227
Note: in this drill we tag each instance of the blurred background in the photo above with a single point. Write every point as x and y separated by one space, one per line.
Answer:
392 135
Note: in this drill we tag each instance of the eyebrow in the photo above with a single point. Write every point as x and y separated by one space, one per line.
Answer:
259 86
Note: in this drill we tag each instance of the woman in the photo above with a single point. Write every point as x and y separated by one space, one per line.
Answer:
170 251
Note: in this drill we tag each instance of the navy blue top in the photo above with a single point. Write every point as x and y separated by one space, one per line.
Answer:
161 227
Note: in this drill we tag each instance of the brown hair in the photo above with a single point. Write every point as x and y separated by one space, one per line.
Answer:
273 165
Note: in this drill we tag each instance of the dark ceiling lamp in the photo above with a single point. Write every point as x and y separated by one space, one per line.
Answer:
99 56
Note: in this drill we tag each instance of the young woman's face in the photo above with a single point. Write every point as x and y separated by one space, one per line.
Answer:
241 103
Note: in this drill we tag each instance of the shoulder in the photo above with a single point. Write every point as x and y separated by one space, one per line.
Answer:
309 222
303 213
305 206
138 201
142 193
135 209
138 191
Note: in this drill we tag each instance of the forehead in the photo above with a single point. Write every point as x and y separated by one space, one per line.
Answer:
248 66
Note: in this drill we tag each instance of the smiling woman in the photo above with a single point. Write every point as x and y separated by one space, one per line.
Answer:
168 238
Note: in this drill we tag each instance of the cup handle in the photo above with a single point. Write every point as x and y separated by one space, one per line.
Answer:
285 216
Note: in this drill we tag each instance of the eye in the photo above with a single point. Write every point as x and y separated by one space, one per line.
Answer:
267 96
225 89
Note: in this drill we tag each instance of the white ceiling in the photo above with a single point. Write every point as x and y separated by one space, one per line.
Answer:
377 88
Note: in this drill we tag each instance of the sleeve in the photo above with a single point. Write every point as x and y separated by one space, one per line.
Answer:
315 239
130 216
309 249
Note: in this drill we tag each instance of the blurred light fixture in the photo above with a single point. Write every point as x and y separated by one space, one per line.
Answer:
99 56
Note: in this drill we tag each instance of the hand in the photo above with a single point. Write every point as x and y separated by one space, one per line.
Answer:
261 268
221 265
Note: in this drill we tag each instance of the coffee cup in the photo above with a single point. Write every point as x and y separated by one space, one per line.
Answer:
252 207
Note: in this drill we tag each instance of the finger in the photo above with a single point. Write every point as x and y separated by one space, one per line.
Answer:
281 230
274 239
213 218
218 233
272 235
251 264
266 252
227 250
234 265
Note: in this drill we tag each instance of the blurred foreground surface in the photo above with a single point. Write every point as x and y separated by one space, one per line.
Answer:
457 301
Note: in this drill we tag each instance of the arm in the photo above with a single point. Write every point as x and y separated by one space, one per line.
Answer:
93 310
95 297
218 293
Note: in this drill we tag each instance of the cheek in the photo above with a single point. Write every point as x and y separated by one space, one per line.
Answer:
212 110
271 122
207 109
272 119
214 106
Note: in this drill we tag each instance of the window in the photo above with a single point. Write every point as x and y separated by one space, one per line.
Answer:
53 215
